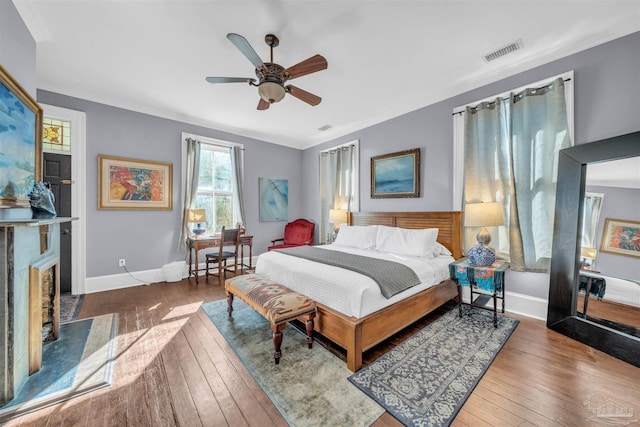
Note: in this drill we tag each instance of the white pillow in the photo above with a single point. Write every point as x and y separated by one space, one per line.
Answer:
404 241
440 249
359 236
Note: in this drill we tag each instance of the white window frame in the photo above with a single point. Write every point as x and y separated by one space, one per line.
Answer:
211 143
356 171
458 127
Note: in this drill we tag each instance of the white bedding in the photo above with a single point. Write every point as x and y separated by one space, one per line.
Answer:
622 291
345 291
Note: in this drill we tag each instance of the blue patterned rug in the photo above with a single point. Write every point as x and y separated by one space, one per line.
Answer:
70 306
425 380
309 386
79 361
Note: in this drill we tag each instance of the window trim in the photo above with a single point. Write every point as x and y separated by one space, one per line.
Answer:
206 141
356 181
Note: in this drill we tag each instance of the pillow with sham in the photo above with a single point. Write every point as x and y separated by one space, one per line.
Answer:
359 236
404 241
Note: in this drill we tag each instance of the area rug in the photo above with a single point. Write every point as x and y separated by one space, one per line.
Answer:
70 306
79 361
425 380
309 386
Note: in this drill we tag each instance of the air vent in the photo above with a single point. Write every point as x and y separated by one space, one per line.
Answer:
503 51
323 128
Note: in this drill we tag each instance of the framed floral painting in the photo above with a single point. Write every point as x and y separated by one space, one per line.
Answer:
621 237
134 184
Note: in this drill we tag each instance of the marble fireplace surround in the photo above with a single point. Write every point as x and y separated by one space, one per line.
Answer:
29 250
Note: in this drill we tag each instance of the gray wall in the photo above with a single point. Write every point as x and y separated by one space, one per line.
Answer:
607 102
17 48
148 239
624 204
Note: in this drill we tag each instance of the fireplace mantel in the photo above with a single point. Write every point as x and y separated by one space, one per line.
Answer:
24 243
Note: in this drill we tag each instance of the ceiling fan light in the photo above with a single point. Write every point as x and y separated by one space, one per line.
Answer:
271 92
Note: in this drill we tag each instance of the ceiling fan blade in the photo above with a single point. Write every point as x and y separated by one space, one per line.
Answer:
230 80
303 95
263 105
243 45
308 66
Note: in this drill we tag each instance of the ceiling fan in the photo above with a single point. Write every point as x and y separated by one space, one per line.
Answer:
272 76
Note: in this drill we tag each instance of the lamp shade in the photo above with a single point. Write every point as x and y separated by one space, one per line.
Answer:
586 252
483 214
196 215
271 92
337 216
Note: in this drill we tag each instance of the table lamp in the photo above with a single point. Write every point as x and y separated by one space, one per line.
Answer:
587 258
197 216
337 217
483 215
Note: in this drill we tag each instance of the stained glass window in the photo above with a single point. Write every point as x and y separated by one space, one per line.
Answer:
56 134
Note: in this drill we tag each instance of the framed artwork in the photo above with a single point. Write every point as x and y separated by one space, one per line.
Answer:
274 199
20 143
396 174
621 237
128 184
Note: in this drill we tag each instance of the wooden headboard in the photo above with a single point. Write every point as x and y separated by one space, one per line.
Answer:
449 224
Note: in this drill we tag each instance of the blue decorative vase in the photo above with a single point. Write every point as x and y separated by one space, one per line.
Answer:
481 255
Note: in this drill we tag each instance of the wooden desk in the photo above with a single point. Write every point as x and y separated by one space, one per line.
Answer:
197 243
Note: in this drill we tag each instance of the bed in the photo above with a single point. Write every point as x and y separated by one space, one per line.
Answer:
357 334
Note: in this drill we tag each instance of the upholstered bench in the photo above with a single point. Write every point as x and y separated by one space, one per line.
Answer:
276 303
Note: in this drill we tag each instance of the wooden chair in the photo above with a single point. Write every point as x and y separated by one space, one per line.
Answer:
229 240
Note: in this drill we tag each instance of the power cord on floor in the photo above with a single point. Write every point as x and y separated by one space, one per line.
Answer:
144 282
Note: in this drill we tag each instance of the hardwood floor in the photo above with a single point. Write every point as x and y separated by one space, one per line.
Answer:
174 368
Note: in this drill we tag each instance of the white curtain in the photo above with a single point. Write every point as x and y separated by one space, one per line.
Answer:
511 154
590 215
337 185
191 187
238 183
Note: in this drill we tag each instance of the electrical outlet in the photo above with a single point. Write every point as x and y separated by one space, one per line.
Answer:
121 262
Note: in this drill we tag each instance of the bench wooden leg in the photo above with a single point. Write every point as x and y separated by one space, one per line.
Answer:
277 341
309 327
229 303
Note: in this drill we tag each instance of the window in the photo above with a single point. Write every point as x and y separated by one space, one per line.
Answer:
218 189
338 185
505 150
56 135
215 190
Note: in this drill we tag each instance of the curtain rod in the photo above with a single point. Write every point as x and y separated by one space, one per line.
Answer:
505 99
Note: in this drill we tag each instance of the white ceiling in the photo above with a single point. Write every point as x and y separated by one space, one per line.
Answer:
385 58
616 173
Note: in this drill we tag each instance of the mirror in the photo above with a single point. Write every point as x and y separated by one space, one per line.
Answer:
616 338
614 280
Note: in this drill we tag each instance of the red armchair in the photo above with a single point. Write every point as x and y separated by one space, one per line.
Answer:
296 233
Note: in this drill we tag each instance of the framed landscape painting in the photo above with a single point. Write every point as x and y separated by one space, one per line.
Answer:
134 184
396 174
621 237
20 143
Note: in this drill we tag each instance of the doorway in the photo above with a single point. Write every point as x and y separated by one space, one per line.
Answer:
56 170
77 189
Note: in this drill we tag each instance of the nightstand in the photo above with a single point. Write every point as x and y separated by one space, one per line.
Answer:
485 283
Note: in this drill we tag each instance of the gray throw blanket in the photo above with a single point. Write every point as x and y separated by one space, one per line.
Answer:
391 277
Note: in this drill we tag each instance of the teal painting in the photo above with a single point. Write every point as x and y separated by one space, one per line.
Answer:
274 199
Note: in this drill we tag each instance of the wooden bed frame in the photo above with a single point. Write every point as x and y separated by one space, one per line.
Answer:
357 335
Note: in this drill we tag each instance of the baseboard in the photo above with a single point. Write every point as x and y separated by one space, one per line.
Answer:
515 303
520 304
127 280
